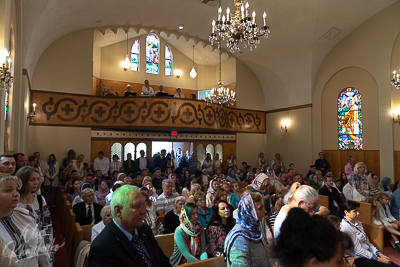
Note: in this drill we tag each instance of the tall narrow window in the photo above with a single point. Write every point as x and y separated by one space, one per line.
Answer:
116 149
135 55
129 148
152 54
349 106
168 61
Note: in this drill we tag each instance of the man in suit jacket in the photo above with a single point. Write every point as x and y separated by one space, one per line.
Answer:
126 241
82 209
333 194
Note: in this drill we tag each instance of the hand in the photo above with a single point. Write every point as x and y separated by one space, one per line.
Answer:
383 258
383 227
267 196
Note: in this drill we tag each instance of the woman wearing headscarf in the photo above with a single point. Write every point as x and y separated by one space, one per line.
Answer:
271 175
360 183
232 176
245 245
386 181
374 184
281 183
102 191
189 240
51 179
313 182
260 185
211 192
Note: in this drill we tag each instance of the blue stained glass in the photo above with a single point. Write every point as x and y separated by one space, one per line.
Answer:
152 54
168 61
350 127
135 55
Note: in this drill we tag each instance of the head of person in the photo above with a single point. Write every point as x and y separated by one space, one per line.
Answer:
349 210
99 174
9 195
321 155
360 168
20 160
89 178
157 172
115 157
335 221
30 180
235 187
324 247
145 193
251 212
163 152
194 188
251 176
178 90
328 181
76 186
338 183
127 180
71 154
386 181
161 88
282 169
261 155
226 186
7 164
352 159
383 198
168 187
80 158
297 178
149 187
302 196
105 214
215 184
104 185
87 196
291 172
178 204
74 174
117 185
129 156
220 211
32 161
313 168
220 195
36 155
115 175
128 207
129 87
190 213
343 176
277 155
199 199
101 155
146 83
121 176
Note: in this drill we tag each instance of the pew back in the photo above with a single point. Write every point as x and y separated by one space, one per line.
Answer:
365 212
213 262
324 201
284 191
166 243
375 234
242 185
271 189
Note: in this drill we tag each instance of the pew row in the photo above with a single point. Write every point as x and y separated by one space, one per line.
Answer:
212 262
324 201
81 233
166 243
375 234
365 212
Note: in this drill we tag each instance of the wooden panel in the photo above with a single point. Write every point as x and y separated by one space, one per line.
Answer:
242 185
284 191
143 113
324 201
375 235
365 212
213 262
342 197
166 243
162 219
338 159
397 165
97 146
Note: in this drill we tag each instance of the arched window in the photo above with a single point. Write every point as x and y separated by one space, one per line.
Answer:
201 153
350 126
210 149
135 55
129 148
141 146
116 149
219 150
168 61
152 53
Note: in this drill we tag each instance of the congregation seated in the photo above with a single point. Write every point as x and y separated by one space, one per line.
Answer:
189 240
313 182
205 212
245 245
171 220
348 188
74 191
165 201
87 212
105 215
364 253
150 218
221 223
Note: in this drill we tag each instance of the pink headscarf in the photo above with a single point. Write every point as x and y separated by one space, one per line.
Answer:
258 181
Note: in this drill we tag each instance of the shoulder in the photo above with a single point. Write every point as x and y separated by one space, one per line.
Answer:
79 205
97 205
21 211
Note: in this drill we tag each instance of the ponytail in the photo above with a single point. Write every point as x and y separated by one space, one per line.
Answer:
302 192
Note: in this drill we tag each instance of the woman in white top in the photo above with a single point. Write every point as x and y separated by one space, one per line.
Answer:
208 164
105 215
299 196
7 257
18 229
364 253
217 162
231 161
261 160
115 165
78 166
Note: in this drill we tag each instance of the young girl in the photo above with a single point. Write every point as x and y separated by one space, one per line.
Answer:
381 216
232 198
211 192
204 177
235 188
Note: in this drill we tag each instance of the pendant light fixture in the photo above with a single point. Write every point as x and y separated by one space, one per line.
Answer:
193 73
126 63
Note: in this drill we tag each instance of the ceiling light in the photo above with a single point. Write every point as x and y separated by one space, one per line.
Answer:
180 27
193 72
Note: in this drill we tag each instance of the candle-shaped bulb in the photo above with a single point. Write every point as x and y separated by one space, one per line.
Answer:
213 26
394 72
223 18
228 12
34 106
397 75
219 13
265 19
247 9
242 10
254 17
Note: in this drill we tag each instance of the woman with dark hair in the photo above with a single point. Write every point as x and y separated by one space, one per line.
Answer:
309 241
189 240
35 204
32 161
51 179
186 188
386 181
313 182
375 185
115 164
74 191
211 192
365 253
245 246
183 166
220 225
343 178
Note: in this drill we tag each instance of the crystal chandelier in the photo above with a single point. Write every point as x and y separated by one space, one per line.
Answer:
238 28
396 80
220 95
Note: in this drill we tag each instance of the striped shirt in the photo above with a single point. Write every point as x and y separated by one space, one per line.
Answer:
166 203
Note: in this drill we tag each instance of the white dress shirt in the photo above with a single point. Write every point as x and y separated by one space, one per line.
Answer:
147 91
179 96
103 165
96 229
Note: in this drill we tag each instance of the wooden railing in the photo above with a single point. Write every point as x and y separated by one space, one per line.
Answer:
142 113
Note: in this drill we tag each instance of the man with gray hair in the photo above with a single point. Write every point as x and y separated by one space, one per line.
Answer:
87 212
105 215
126 241
348 188
165 201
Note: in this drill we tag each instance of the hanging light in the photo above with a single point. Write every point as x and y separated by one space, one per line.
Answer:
127 62
396 80
193 73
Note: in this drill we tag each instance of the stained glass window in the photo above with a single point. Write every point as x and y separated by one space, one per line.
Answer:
135 55
168 61
6 103
349 106
152 54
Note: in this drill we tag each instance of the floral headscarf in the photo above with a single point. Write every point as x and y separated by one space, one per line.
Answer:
191 230
247 224
258 181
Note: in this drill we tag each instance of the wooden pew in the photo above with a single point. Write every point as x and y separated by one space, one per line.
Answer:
66 222
65 209
375 234
71 222
324 201
213 262
81 233
242 185
365 212
166 243
342 197
271 190
284 191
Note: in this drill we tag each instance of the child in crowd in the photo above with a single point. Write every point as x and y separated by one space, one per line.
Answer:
235 188
204 177
339 186
232 198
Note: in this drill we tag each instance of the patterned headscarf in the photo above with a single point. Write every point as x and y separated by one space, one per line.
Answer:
258 181
191 230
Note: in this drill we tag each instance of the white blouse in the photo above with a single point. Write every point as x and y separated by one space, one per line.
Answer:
22 236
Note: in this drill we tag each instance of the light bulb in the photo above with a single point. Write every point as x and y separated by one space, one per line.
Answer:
193 73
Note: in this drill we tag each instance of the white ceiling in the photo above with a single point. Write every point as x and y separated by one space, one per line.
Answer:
295 49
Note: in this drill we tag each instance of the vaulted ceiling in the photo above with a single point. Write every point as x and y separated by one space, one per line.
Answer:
294 51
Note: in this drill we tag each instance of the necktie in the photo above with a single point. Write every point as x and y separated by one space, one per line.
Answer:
138 246
89 216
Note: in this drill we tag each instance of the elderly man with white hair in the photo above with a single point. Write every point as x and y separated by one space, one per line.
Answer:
348 188
105 215
126 241
87 212
165 201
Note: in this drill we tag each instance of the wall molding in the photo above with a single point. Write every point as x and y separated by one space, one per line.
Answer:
289 108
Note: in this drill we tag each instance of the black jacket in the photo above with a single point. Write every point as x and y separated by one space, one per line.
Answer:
112 248
171 222
334 195
80 212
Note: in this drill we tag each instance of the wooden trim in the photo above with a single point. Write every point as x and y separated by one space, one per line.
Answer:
289 108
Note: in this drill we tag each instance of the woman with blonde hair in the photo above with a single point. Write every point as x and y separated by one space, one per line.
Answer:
360 183
299 196
78 166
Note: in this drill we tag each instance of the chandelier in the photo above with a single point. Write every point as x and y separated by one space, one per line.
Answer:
238 28
220 95
396 80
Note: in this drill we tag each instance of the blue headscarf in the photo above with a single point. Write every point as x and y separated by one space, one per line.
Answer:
385 182
247 224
